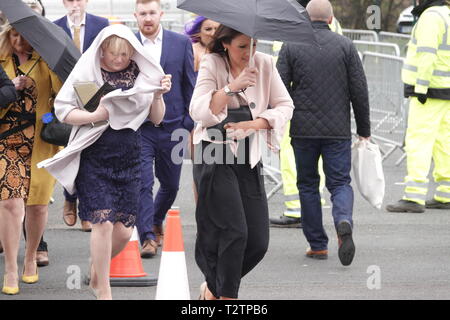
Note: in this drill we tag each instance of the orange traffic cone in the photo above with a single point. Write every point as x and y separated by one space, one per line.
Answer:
173 280
126 268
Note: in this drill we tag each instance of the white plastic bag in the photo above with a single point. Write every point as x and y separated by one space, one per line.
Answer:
368 171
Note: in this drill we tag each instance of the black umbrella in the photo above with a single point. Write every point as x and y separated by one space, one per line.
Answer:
49 40
281 20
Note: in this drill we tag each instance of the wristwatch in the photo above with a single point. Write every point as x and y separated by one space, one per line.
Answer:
228 91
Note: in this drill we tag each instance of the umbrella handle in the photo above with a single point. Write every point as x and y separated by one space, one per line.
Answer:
251 61
32 67
251 64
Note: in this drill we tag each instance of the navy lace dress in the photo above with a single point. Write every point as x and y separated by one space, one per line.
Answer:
108 181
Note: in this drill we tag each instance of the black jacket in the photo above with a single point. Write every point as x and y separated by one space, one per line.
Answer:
8 92
323 82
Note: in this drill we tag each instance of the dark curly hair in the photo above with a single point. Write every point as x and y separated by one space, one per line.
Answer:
222 35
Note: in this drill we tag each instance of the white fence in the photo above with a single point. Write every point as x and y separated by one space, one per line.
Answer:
378 47
388 107
265 47
399 39
363 35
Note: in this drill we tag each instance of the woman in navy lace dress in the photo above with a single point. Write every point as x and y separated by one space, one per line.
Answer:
108 179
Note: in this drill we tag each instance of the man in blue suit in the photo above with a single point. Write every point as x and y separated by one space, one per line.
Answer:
82 27
174 52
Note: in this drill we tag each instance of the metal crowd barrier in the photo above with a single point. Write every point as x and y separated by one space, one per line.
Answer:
265 47
388 107
400 39
379 47
176 27
272 175
364 35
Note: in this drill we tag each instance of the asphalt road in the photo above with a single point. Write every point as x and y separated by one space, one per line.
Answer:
398 256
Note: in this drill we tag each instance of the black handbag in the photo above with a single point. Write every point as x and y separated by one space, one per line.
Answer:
218 132
54 131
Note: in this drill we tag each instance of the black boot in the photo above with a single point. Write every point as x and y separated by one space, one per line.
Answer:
434 204
406 206
286 222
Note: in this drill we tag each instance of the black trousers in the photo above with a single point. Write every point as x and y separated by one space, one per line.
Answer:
232 223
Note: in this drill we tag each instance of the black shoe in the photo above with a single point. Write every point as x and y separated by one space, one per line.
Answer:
406 206
346 249
434 204
286 222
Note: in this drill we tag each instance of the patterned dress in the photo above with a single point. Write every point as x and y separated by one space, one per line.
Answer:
16 149
108 180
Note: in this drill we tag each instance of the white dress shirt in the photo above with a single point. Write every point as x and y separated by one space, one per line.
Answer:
71 27
154 47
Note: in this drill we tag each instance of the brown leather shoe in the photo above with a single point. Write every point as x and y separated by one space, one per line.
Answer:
70 213
319 254
159 233
86 226
149 249
42 258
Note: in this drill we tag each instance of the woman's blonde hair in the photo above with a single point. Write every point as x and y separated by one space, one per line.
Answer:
6 48
5 44
118 45
34 4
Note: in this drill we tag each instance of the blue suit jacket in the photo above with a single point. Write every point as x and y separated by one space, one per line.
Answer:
94 24
177 60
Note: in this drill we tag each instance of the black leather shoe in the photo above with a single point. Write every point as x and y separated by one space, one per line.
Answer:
286 222
406 206
346 250
434 204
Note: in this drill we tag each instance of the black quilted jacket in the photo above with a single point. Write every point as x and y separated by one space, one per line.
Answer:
323 83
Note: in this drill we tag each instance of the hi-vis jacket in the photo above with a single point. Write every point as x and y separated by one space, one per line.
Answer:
427 66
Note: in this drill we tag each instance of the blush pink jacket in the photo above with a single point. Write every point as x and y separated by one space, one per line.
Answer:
269 91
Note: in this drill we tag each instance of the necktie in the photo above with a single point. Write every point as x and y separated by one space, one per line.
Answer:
76 36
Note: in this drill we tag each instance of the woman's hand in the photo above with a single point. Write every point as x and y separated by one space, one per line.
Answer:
78 117
100 114
20 82
247 78
243 129
239 130
166 83
257 124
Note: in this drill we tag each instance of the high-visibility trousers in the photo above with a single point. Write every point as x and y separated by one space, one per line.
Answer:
289 177
428 137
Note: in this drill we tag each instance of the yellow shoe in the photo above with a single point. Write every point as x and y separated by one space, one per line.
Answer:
30 279
9 290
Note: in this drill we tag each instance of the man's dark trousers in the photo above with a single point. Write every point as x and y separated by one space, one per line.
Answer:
157 149
336 156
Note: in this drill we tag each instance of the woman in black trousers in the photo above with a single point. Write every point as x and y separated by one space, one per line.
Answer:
230 105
